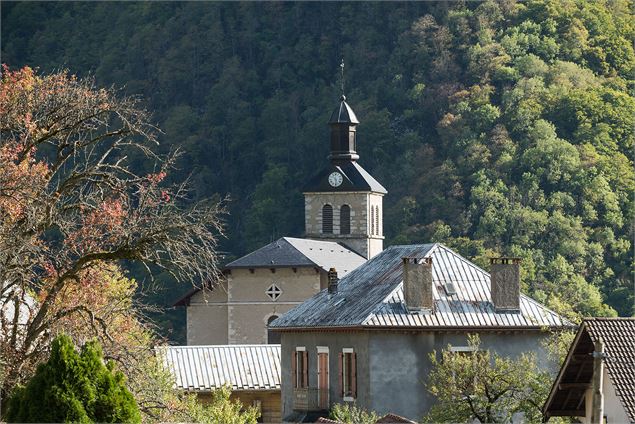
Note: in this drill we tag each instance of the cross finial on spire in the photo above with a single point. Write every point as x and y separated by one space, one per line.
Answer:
342 80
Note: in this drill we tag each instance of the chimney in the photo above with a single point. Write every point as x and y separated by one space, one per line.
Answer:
505 283
417 283
333 280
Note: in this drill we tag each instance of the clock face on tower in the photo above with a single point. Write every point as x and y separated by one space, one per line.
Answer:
335 179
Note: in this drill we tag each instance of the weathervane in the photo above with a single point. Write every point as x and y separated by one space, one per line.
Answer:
342 79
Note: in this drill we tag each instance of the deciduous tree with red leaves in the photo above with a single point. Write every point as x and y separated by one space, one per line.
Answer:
72 210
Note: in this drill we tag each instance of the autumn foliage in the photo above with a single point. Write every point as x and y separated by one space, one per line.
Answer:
72 211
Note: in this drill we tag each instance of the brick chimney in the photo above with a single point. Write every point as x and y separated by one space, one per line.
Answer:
505 283
417 283
333 281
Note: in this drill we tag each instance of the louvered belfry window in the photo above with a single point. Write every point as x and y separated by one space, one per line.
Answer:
372 220
327 219
345 219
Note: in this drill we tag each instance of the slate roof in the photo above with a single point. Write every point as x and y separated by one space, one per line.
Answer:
296 252
371 296
355 179
575 376
206 368
289 252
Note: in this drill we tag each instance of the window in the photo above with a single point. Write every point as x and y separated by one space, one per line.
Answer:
274 292
372 220
327 219
300 368
348 374
273 337
345 219
470 352
377 227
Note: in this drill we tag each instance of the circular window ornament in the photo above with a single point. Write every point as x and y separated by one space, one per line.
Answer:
274 292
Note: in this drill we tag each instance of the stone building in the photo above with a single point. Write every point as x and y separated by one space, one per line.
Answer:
371 333
343 217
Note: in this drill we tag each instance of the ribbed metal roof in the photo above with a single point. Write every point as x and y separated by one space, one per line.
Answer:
206 368
372 296
294 252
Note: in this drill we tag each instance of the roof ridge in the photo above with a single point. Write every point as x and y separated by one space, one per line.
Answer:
218 346
608 319
255 251
300 252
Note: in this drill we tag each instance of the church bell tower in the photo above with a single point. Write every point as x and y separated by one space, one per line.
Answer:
344 203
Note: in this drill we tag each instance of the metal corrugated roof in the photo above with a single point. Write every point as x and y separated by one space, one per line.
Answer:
206 368
295 252
372 296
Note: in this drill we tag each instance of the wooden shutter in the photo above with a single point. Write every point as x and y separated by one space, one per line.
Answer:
305 374
340 368
354 375
294 371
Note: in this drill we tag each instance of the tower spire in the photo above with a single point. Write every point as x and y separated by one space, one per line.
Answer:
342 79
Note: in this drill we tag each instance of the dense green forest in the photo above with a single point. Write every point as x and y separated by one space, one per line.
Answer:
497 127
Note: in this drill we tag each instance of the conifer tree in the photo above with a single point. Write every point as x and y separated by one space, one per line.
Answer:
74 387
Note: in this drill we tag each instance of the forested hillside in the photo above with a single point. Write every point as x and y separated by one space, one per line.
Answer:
497 127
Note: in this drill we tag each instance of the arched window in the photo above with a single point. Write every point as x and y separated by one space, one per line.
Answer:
327 219
377 227
372 220
273 337
345 219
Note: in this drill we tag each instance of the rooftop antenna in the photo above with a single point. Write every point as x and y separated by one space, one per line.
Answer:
342 79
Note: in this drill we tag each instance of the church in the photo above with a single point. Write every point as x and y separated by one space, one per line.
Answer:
343 229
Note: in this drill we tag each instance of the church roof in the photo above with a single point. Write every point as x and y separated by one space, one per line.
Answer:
371 296
343 114
290 252
355 179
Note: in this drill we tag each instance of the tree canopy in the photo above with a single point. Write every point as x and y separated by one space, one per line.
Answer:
485 386
498 127
74 387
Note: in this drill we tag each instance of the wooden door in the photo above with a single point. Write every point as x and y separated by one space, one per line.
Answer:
323 380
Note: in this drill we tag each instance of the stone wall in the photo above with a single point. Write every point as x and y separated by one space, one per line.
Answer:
207 317
238 311
366 237
393 366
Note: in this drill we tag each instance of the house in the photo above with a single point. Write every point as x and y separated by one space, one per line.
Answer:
252 372
596 382
261 286
366 339
343 228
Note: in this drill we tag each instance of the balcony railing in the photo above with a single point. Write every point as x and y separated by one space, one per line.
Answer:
310 399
